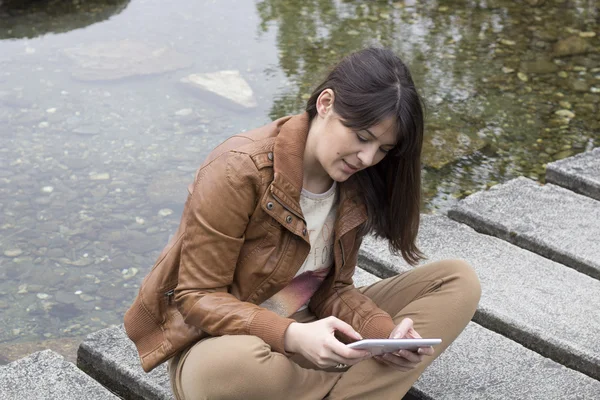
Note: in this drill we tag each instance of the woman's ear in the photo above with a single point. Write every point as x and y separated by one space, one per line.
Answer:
325 102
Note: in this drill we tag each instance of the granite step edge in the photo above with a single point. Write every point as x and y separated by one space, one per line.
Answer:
578 184
489 226
126 379
569 174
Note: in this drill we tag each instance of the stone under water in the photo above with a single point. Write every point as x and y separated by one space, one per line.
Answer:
442 147
229 85
121 59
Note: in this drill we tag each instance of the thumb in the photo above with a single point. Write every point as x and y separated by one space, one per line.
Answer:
402 329
345 328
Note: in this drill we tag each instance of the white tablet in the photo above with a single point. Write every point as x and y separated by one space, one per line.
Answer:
380 346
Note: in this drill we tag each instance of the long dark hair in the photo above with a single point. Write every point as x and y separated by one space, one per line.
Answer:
370 86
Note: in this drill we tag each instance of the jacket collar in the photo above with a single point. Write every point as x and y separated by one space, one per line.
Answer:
288 175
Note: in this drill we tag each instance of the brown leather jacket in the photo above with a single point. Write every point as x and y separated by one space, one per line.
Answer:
241 239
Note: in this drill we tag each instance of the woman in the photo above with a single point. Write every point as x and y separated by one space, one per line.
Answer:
253 297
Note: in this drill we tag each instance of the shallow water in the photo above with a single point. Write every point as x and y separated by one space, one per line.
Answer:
97 152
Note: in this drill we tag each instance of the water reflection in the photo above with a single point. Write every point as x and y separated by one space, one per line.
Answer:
509 86
31 18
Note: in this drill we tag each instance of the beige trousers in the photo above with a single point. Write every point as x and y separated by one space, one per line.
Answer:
440 298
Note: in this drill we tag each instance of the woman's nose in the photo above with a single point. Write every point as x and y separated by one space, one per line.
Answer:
367 155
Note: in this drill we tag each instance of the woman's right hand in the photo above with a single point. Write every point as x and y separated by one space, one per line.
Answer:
316 342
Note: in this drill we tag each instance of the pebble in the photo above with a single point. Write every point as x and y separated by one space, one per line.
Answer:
522 77
164 212
86 297
100 177
51 110
184 112
13 252
565 113
595 90
44 124
47 189
22 289
129 273
565 104
507 70
71 327
507 42
140 220
42 296
587 34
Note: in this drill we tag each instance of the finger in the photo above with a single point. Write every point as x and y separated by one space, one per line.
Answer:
412 333
399 361
410 356
397 365
346 352
426 351
344 328
401 329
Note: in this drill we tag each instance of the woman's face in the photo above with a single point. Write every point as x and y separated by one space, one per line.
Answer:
342 151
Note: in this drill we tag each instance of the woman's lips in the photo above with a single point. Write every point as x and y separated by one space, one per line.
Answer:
351 167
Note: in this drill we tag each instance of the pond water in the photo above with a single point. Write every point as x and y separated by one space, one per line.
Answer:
99 136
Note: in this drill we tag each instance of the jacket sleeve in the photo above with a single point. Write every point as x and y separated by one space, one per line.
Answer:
342 300
216 216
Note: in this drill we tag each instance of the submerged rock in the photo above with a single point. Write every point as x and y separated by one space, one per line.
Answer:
571 46
441 147
121 59
540 66
228 85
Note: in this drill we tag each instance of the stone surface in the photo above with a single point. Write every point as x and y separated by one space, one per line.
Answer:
110 357
228 85
479 365
482 364
537 302
549 220
580 173
46 375
120 59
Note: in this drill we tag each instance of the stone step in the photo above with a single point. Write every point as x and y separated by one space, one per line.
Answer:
535 301
479 365
47 375
580 173
546 219
110 357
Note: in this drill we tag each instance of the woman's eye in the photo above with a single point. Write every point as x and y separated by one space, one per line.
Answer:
361 139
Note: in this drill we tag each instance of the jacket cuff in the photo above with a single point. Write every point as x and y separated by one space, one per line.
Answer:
378 327
271 328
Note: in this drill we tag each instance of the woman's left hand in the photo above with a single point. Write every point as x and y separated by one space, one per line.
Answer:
405 360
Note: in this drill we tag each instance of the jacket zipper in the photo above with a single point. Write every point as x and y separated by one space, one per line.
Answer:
169 295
